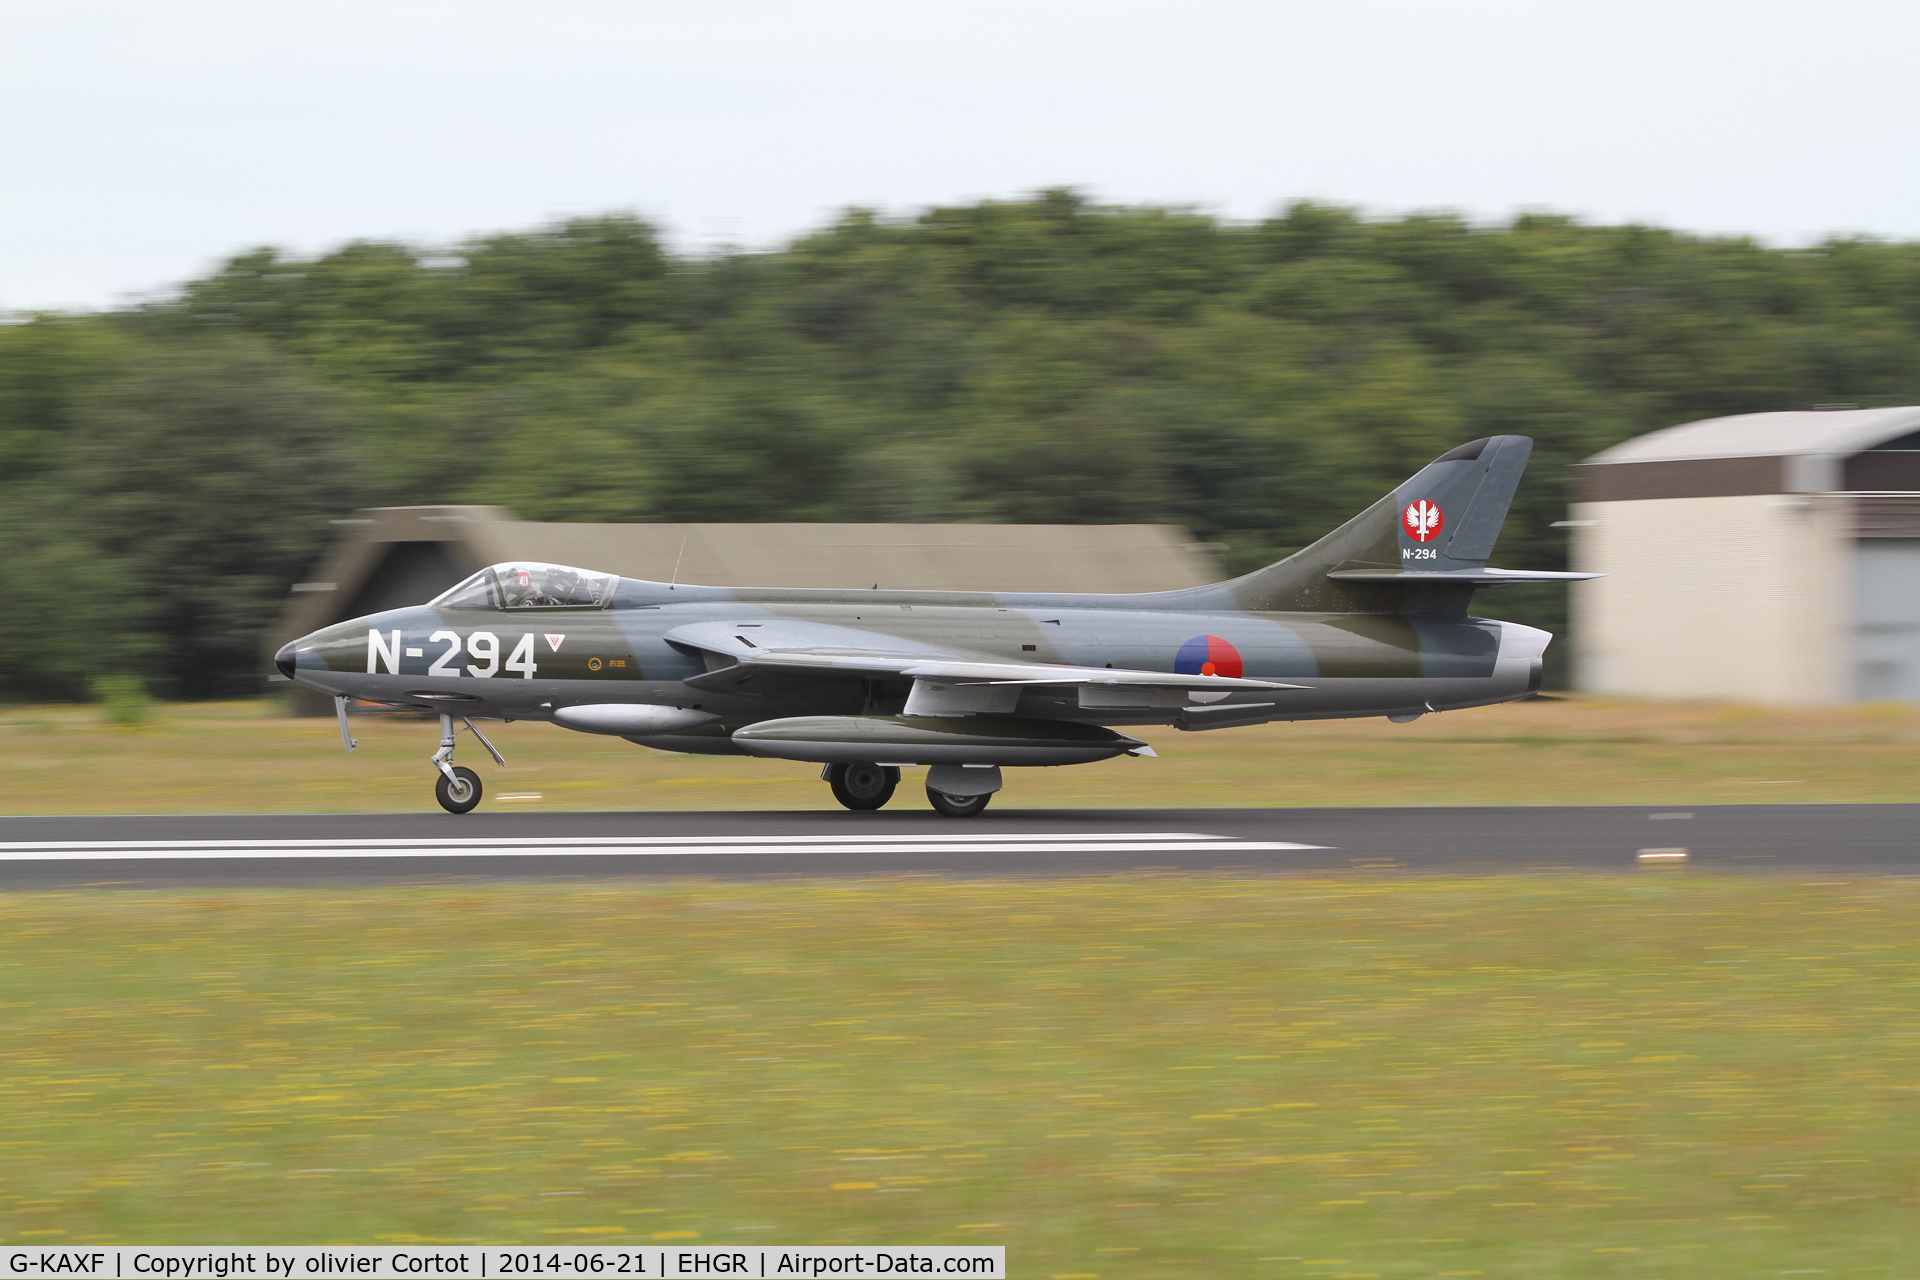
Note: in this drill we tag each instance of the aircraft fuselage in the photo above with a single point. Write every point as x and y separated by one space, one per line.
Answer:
524 664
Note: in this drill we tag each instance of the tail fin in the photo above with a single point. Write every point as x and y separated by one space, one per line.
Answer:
1423 546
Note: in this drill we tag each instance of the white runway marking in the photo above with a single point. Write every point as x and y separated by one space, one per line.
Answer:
632 846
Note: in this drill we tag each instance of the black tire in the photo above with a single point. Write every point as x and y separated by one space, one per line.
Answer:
863 786
958 806
463 799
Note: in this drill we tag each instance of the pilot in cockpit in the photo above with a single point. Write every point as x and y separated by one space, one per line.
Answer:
564 586
546 587
518 588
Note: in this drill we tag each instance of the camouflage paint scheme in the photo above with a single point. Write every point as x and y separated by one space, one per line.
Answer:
1371 620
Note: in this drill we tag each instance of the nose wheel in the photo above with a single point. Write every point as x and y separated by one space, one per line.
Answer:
457 790
458 787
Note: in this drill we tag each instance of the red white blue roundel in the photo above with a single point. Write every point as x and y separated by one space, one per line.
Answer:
1422 520
1207 656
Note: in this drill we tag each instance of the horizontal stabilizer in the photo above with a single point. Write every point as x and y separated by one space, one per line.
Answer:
1458 577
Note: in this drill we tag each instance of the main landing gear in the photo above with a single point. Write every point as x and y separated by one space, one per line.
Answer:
958 806
862 786
869 786
458 787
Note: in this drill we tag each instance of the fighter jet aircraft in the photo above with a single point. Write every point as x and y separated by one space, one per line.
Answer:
1369 621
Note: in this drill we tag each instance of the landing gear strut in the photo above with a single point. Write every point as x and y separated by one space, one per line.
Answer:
458 787
862 786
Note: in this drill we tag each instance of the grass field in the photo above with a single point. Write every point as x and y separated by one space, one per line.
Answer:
240 757
1667 1076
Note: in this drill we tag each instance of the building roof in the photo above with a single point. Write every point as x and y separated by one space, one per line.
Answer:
1835 432
1801 451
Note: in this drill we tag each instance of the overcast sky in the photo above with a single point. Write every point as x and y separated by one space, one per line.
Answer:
141 142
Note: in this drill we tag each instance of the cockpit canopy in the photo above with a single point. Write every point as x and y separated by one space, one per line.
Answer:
527 584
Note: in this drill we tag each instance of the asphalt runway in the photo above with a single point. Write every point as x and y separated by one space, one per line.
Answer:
241 850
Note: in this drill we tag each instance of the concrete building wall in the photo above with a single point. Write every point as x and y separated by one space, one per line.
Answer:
1746 597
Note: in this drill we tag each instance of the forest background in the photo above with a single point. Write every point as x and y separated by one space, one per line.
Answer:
168 468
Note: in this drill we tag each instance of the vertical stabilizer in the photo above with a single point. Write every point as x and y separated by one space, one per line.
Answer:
1445 519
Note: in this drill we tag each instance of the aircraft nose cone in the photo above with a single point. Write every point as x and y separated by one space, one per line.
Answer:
283 660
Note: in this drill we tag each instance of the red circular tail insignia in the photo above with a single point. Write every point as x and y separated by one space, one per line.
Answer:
1423 521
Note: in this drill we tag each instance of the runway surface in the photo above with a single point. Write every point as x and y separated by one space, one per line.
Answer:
239 850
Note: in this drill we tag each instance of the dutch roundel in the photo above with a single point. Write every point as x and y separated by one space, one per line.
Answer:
1422 520
1207 656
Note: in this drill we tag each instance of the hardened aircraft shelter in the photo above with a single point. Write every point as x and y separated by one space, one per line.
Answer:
1767 557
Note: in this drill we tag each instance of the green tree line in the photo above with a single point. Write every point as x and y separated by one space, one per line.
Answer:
168 469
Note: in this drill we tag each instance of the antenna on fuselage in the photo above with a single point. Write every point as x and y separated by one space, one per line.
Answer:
674 581
340 701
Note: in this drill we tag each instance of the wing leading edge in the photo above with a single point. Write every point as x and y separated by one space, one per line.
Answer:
736 656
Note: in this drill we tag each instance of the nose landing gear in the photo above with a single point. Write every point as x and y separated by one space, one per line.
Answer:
458 790
458 787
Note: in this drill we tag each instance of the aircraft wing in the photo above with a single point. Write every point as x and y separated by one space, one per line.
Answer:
740 654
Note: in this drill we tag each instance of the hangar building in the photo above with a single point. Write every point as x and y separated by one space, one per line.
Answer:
390 557
1767 557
